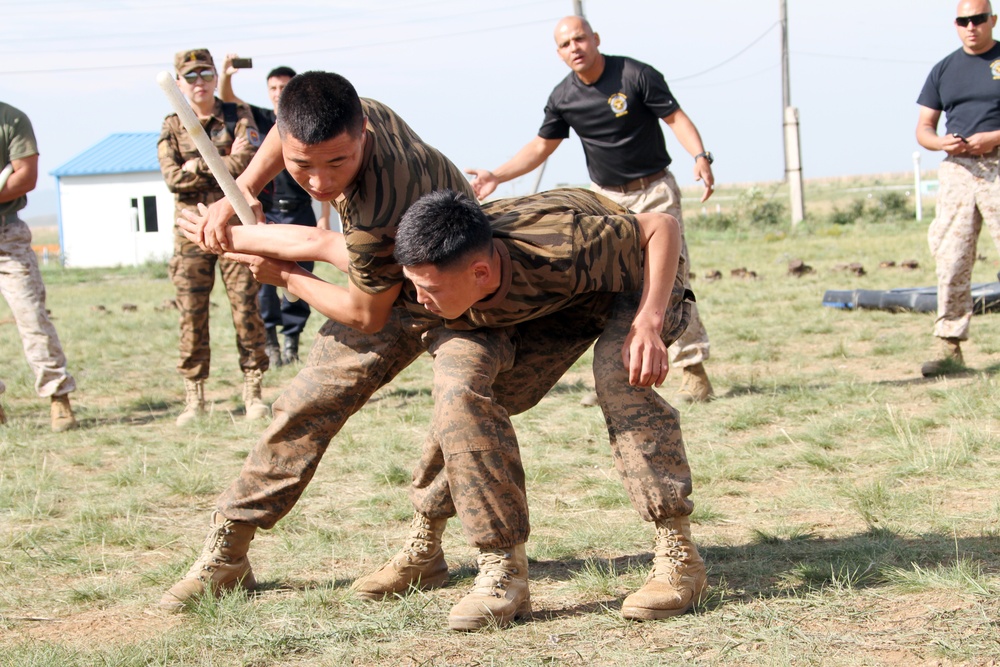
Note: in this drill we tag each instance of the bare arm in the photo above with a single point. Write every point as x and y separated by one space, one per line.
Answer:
267 163
534 153
644 352
226 93
323 221
271 252
22 180
688 136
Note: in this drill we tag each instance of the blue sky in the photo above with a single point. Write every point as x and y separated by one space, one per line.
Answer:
471 77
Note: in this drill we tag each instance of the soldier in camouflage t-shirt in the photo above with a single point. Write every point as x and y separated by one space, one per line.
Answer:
568 264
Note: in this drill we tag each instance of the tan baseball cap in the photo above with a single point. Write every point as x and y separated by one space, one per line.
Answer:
192 59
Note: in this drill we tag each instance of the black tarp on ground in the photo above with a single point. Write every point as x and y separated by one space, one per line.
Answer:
985 298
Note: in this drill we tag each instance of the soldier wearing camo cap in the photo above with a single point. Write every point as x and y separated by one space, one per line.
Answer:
20 281
965 86
193 271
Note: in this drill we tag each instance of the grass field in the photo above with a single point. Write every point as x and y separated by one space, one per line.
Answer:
846 507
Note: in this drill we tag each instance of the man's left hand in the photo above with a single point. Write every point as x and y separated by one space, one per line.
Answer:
703 172
645 356
265 269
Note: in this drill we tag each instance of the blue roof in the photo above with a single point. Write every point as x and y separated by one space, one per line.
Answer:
120 153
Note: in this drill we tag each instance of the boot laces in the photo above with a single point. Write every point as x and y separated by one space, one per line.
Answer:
420 537
494 573
669 554
215 542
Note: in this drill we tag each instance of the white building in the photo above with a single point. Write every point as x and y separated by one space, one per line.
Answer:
114 208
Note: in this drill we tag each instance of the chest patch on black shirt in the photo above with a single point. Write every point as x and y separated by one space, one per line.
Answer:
619 104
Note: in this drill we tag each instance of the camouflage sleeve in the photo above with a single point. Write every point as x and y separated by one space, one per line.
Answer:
171 159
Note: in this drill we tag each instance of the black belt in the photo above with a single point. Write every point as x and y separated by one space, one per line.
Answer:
638 184
288 205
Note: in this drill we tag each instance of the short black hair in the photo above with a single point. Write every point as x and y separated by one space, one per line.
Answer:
317 106
442 228
281 70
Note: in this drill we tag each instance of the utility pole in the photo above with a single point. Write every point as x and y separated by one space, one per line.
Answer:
790 124
577 11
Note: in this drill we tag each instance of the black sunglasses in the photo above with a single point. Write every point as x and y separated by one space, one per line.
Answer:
975 19
206 75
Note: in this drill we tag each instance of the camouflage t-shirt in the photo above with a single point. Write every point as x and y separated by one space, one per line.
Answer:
556 248
398 168
175 147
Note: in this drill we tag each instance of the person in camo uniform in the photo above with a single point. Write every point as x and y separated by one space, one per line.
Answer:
965 86
527 281
193 271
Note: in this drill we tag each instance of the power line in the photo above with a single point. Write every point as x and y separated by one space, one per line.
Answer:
730 59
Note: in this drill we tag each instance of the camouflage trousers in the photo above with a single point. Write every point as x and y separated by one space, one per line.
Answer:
345 367
969 195
193 275
644 429
663 196
21 286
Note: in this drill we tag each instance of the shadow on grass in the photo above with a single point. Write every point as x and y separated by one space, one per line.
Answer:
788 568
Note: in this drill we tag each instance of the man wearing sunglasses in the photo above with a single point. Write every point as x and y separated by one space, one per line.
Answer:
193 271
966 87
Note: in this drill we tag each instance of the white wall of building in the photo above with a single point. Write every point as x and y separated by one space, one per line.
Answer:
98 222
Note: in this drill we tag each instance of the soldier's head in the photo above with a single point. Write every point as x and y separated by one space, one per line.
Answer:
322 129
196 75
277 79
975 21
578 46
444 243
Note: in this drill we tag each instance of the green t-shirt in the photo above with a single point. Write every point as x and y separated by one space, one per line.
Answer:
17 141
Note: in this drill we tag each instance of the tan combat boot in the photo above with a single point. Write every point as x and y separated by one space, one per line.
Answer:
222 566
256 408
695 386
194 401
677 581
62 414
420 564
500 593
950 361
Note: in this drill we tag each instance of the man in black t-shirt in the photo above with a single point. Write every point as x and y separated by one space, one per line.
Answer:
290 205
966 87
614 104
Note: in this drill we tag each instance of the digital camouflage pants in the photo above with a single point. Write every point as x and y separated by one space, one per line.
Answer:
192 272
969 196
644 430
663 196
345 367
22 287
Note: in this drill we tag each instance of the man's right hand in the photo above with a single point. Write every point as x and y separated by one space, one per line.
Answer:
953 145
484 182
214 224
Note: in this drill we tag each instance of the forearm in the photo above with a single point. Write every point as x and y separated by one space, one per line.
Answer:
294 243
685 131
662 255
19 183
929 138
533 154
348 306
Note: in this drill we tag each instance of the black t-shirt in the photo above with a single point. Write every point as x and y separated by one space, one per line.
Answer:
967 89
617 118
285 186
